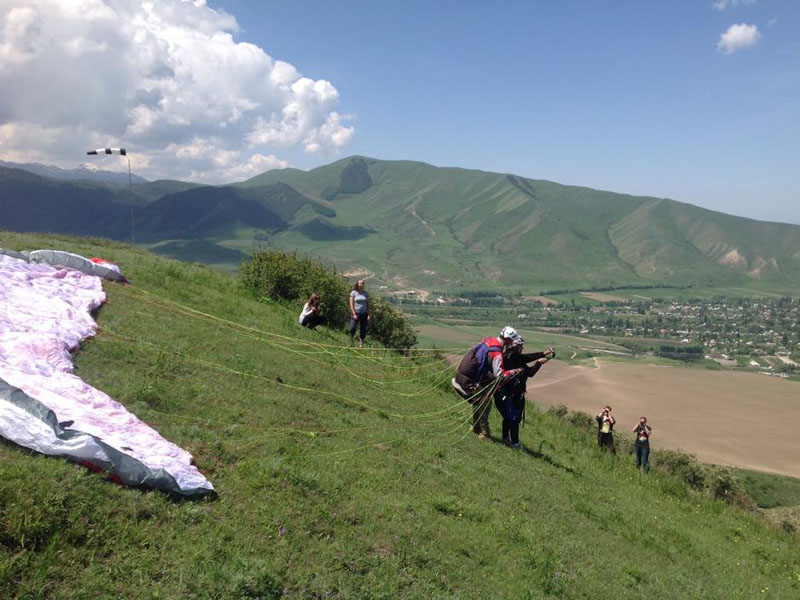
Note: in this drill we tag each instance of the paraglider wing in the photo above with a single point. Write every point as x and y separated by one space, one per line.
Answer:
45 311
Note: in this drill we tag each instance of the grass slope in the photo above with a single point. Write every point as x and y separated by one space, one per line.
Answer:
344 473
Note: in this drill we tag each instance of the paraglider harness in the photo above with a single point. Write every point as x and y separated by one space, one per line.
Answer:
474 370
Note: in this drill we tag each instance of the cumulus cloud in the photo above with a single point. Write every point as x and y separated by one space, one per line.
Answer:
722 5
738 37
165 79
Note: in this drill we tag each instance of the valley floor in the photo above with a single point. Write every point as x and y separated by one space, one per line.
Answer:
739 419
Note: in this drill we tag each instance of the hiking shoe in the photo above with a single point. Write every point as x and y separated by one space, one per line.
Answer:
486 437
517 446
507 441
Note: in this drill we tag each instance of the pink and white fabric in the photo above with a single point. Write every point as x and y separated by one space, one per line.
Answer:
44 314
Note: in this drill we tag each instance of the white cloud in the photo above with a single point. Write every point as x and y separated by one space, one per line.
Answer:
738 37
722 5
166 79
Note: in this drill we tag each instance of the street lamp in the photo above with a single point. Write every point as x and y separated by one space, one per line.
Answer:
122 152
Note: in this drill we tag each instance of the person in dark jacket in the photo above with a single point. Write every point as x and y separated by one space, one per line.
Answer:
642 445
605 430
509 398
480 368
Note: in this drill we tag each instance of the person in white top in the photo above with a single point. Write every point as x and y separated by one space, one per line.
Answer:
311 317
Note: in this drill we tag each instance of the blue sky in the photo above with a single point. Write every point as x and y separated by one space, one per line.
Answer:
629 96
695 100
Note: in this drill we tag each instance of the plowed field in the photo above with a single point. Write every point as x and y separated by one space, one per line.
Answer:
742 419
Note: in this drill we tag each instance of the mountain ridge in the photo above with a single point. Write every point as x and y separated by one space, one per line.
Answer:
447 228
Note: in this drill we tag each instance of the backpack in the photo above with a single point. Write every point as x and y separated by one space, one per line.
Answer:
476 362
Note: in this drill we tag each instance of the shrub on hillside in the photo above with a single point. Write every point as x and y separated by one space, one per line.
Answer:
281 276
582 420
723 485
559 411
389 325
684 466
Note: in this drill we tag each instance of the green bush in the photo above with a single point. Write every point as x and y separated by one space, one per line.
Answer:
582 420
389 325
280 276
559 411
682 465
724 485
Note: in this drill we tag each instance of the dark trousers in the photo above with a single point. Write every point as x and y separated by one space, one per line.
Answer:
361 321
606 442
312 320
511 431
643 454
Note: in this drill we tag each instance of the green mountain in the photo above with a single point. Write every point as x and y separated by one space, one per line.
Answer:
413 224
84 173
447 228
33 203
344 473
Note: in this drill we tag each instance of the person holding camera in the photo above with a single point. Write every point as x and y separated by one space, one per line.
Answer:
310 316
605 430
509 398
642 445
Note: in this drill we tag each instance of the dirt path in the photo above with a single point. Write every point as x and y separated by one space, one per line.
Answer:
740 419
360 272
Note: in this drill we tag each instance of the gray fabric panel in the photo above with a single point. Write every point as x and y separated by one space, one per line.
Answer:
73 261
124 468
14 254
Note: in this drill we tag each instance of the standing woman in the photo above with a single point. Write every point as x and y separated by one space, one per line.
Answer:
605 430
359 312
642 445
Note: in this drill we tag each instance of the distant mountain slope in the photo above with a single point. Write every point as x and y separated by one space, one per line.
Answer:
413 224
206 211
33 203
153 190
82 172
450 227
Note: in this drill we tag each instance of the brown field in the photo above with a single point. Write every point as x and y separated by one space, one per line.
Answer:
467 335
739 419
600 297
543 299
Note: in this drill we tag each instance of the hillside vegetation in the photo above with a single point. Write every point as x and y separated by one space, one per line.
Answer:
410 224
344 473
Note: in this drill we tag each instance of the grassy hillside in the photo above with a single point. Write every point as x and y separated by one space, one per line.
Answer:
344 473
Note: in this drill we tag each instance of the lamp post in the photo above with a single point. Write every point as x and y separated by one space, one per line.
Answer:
122 152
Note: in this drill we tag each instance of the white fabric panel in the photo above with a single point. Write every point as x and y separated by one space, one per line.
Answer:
45 313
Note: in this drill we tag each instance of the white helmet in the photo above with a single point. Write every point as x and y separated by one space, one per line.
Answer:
510 333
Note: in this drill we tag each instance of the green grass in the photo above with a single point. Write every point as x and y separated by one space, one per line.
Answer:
344 474
770 490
